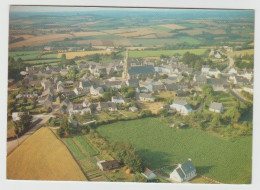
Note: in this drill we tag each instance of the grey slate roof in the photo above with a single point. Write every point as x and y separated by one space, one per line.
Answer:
188 167
141 70
180 102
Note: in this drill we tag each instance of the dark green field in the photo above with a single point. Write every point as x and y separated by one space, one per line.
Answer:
160 145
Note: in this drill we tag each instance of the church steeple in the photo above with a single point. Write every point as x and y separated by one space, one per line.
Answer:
126 66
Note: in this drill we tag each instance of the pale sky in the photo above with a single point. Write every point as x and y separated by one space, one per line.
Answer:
59 9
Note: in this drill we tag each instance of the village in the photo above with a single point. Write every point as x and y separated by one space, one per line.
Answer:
125 89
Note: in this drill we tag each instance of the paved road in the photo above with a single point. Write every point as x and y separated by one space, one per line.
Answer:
12 144
231 63
236 95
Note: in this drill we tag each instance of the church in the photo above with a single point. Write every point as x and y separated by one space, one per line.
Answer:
136 72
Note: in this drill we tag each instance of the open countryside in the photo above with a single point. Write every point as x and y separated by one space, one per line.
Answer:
130 95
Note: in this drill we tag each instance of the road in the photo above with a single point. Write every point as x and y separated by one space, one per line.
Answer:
231 63
236 95
12 144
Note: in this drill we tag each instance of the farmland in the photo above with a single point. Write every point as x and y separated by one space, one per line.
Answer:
57 164
71 55
152 53
159 145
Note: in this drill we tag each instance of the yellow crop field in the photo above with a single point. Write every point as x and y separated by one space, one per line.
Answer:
71 55
241 52
173 26
43 157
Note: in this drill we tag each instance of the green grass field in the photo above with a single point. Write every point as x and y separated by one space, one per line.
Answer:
159 145
157 53
74 149
45 61
24 55
84 144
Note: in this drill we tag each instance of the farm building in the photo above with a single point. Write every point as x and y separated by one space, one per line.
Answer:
148 174
108 165
184 172
181 106
216 107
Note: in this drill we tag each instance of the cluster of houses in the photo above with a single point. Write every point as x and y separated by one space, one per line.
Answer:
143 78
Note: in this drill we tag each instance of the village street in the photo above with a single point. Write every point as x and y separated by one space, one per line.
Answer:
231 63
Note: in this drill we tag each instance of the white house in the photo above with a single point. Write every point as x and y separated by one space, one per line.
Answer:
118 99
216 107
184 172
148 174
16 116
232 71
181 106
214 72
205 69
217 55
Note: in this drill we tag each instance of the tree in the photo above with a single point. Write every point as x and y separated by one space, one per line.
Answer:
163 112
126 154
146 113
23 124
72 73
65 125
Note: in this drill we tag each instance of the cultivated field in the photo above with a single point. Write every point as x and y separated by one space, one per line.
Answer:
43 157
71 55
159 145
157 53
173 26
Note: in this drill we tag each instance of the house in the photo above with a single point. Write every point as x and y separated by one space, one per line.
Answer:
146 97
16 116
133 83
106 106
133 109
214 72
118 99
108 165
232 71
84 84
205 69
217 84
184 172
142 90
181 106
217 55
96 91
148 174
216 107
78 108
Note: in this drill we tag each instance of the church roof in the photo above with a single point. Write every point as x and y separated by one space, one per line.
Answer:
147 69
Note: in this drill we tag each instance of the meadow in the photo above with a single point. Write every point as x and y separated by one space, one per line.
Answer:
159 145
43 157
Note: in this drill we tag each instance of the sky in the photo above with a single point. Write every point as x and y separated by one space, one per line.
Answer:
57 9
